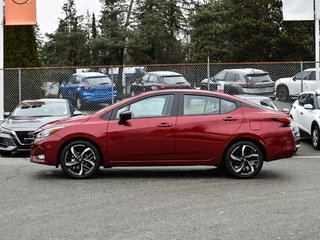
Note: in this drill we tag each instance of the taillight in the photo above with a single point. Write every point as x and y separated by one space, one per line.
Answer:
85 87
285 121
248 84
162 85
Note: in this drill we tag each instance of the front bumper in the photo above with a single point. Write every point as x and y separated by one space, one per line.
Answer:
11 143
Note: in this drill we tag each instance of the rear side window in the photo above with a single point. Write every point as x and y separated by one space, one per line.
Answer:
257 78
200 105
232 77
205 105
227 106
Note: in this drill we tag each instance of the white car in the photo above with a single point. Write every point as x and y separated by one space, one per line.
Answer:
305 112
291 87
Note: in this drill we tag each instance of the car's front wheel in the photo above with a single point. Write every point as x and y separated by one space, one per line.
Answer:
282 93
315 137
79 103
244 159
80 159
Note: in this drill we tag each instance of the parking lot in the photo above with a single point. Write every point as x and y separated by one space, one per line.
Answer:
39 202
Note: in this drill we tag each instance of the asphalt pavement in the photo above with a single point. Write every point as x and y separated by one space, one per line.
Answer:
282 202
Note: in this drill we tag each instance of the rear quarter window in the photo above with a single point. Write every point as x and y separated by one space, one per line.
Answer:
227 106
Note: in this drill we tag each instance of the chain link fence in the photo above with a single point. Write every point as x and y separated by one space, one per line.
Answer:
89 91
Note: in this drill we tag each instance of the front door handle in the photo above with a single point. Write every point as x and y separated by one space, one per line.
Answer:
230 119
164 125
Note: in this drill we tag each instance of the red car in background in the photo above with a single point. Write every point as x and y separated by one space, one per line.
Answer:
168 128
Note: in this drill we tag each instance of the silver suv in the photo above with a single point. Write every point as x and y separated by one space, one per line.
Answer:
241 81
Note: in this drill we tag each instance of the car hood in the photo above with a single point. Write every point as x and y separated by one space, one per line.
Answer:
66 122
27 123
284 80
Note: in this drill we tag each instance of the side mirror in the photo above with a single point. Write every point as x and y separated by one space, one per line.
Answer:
308 106
124 116
294 78
6 114
77 113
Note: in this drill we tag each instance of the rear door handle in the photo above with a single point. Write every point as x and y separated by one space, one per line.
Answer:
164 125
230 119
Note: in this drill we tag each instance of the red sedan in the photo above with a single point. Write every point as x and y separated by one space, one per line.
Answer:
168 128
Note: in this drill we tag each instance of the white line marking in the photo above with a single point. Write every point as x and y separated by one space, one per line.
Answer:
306 157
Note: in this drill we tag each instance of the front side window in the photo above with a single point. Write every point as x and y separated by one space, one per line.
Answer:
303 75
219 76
145 78
156 106
200 105
302 99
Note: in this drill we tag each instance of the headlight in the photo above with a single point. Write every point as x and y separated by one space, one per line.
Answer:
4 130
46 133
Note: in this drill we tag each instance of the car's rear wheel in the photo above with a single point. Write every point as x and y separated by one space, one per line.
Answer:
80 159
282 93
244 159
315 137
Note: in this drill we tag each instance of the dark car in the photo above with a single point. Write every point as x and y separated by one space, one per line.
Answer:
168 128
241 81
89 87
159 80
16 130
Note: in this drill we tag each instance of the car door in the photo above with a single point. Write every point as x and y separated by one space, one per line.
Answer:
305 115
310 82
70 87
204 125
148 135
295 85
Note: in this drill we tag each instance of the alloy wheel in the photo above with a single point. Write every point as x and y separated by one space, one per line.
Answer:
80 160
245 159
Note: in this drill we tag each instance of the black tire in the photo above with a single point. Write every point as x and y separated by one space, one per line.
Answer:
204 87
315 137
244 159
80 159
282 93
79 103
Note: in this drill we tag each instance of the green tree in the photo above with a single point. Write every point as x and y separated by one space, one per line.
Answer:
158 36
20 51
65 46
248 30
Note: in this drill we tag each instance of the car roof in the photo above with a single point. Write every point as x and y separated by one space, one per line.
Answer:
89 74
46 100
311 92
164 73
246 71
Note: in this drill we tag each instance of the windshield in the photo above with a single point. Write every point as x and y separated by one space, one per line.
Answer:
257 78
37 109
97 81
171 80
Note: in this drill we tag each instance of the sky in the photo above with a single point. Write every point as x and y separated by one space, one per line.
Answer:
49 11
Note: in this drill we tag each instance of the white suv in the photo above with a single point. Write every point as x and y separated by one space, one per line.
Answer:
305 112
290 87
